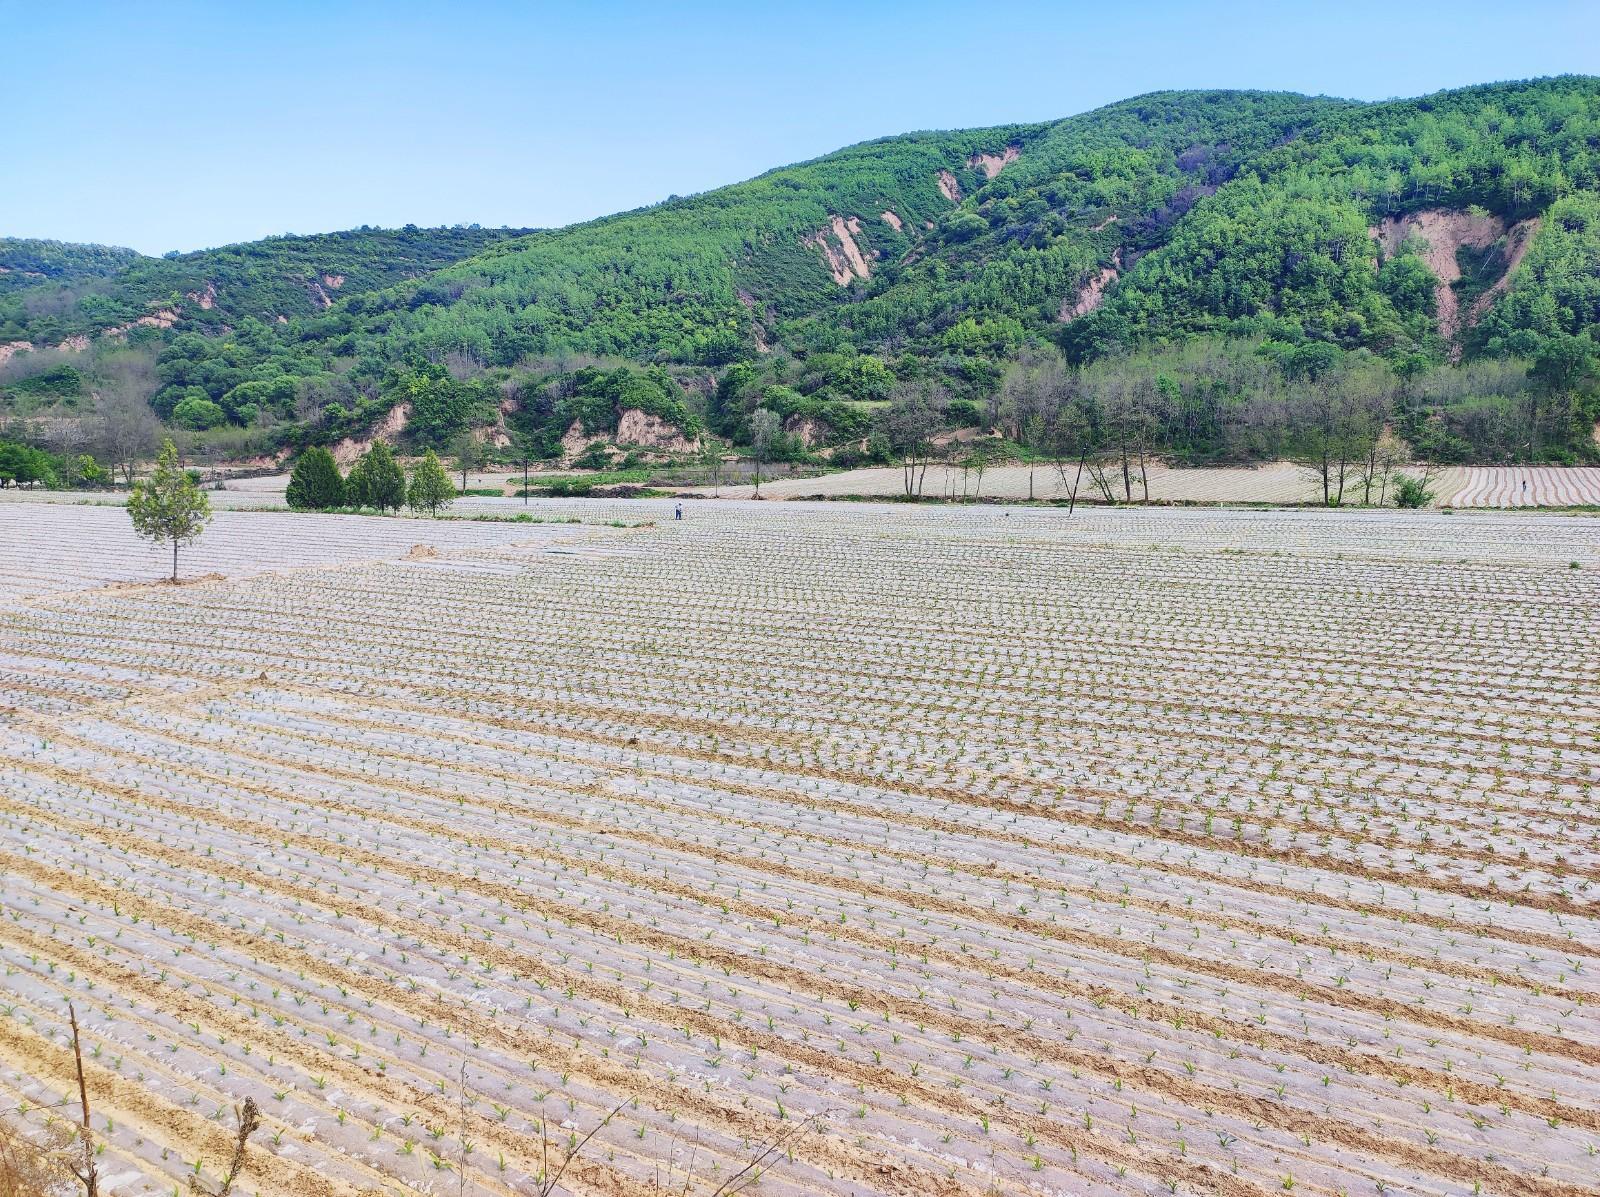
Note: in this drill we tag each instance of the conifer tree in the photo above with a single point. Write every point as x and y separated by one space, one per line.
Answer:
169 506
431 488
377 480
316 484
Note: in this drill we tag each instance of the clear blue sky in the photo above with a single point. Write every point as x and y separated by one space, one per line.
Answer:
182 125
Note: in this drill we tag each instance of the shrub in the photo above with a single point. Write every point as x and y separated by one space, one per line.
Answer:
565 487
89 472
964 413
23 464
1412 493
596 457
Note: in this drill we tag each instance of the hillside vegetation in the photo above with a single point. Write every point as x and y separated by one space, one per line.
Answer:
1194 263
28 262
87 289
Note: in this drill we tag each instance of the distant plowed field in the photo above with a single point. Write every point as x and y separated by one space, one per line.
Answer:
839 849
1274 482
1521 486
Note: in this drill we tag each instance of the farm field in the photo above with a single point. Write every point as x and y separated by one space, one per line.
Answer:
1274 482
48 547
1283 483
948 850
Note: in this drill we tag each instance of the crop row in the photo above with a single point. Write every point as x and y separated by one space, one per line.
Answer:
986 854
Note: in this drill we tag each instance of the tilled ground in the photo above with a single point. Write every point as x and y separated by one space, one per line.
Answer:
888 850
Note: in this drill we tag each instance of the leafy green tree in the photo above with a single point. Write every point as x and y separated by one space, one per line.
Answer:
316 484
431 488
198 413
23 464
441 406
90 472
864 377
469 454
377 480
1565 365
169 506
1407 283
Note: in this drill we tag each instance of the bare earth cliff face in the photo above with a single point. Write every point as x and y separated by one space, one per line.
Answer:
652 432
992 164
845 260
1447 230
348 451
637 428
1093 293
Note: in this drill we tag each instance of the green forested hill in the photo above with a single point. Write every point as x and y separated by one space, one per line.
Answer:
28 262
694 280
1172 242
1285 247
86 289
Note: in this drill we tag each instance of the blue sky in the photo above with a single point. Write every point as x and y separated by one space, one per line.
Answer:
183 125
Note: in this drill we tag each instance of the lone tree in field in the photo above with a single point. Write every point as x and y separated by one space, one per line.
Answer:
431 487
915 414
469 454
377 480
764 428
316 484
169 506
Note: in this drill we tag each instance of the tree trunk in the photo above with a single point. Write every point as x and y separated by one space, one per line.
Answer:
174 560
89 1176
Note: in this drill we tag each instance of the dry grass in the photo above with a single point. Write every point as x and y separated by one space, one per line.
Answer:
34 1167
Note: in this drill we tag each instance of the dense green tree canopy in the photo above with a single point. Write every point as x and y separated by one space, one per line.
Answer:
1457 227
316 483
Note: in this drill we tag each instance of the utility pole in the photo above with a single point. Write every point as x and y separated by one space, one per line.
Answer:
524 479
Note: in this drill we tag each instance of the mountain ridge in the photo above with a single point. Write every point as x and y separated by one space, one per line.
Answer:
1168 219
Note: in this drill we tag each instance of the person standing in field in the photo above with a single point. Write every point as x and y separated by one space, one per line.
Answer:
677 512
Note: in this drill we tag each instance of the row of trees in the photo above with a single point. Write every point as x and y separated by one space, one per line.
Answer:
26 465
1342 415
1334 414
376 480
